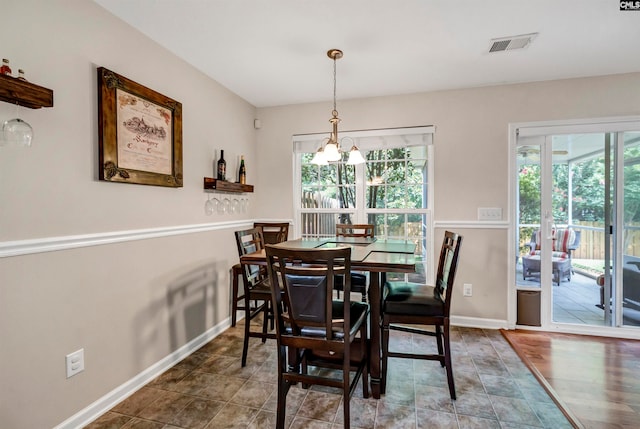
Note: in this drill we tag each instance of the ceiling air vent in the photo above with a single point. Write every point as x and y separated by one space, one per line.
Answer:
510 43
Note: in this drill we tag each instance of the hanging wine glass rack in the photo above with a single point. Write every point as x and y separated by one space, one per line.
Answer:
222 185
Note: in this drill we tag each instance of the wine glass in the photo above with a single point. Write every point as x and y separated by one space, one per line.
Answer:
208 206
227 205
236 206
17 131
221 207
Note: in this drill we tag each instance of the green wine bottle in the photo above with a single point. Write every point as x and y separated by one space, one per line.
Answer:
242 174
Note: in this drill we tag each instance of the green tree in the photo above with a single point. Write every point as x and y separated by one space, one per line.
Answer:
588 192
529 188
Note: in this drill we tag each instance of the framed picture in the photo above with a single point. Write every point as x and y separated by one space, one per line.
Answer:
140 133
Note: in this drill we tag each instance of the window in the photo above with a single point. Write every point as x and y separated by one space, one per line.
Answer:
392 190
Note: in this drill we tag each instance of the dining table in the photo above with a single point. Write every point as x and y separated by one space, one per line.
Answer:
373 255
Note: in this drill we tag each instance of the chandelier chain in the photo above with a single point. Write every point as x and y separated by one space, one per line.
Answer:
332 152
334 83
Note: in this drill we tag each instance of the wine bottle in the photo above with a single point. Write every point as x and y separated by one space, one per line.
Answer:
242 174
222 167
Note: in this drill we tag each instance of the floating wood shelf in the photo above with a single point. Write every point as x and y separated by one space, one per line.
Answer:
221 185
23 93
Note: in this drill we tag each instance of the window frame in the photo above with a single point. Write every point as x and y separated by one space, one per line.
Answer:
309 143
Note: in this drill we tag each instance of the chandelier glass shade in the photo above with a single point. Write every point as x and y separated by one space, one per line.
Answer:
330 150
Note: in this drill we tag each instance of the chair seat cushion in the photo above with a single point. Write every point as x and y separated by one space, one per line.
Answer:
358 282
358 315
261 290
558 255
411 299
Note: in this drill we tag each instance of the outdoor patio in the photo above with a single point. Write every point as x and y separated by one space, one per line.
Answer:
576 301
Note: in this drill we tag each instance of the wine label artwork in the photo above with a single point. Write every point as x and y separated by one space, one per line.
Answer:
144 134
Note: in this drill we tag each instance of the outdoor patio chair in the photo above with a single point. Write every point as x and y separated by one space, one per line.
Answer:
565 242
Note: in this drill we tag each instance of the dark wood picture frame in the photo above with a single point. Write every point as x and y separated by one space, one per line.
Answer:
140 133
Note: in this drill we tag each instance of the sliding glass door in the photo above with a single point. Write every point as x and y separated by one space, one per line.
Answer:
578 224
629 235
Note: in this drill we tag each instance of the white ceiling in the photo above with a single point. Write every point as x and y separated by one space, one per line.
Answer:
273 52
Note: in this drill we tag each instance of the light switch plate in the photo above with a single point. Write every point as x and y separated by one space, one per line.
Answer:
467 289
489 213
75 362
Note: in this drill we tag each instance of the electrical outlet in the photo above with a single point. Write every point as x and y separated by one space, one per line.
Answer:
489 213
75 363
467 290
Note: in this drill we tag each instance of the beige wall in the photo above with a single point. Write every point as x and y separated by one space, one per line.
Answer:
124 302
471 158
131 303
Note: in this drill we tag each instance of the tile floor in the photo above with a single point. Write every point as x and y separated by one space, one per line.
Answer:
210 390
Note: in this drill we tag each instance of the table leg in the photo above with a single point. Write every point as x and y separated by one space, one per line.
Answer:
375 333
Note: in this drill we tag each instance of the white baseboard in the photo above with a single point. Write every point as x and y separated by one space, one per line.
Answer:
117 395
475 322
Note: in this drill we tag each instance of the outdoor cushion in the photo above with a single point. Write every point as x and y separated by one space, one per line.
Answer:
538 240
558 255
563 239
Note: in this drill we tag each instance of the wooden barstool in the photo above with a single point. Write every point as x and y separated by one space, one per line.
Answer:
273 232
358 280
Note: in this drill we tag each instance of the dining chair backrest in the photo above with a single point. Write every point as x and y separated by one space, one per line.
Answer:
249 241
312 329
355 230
306 278
273 232
447 266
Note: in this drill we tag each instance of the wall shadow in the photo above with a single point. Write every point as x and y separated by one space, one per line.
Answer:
180 310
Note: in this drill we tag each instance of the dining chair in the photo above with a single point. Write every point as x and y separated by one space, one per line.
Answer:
358 280
256 288
313 329
272 233
355 230
416 304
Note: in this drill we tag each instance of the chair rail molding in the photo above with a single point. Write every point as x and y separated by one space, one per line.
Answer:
471 224
54 244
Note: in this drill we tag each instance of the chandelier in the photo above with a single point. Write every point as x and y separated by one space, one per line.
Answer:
331 151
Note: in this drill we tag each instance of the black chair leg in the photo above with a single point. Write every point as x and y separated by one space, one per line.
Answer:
283 388
247 323
345 395
447 359
367 352
235 274
385 357
439 343
265 320
270 314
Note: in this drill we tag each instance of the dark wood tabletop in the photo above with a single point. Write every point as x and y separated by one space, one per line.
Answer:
367 254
